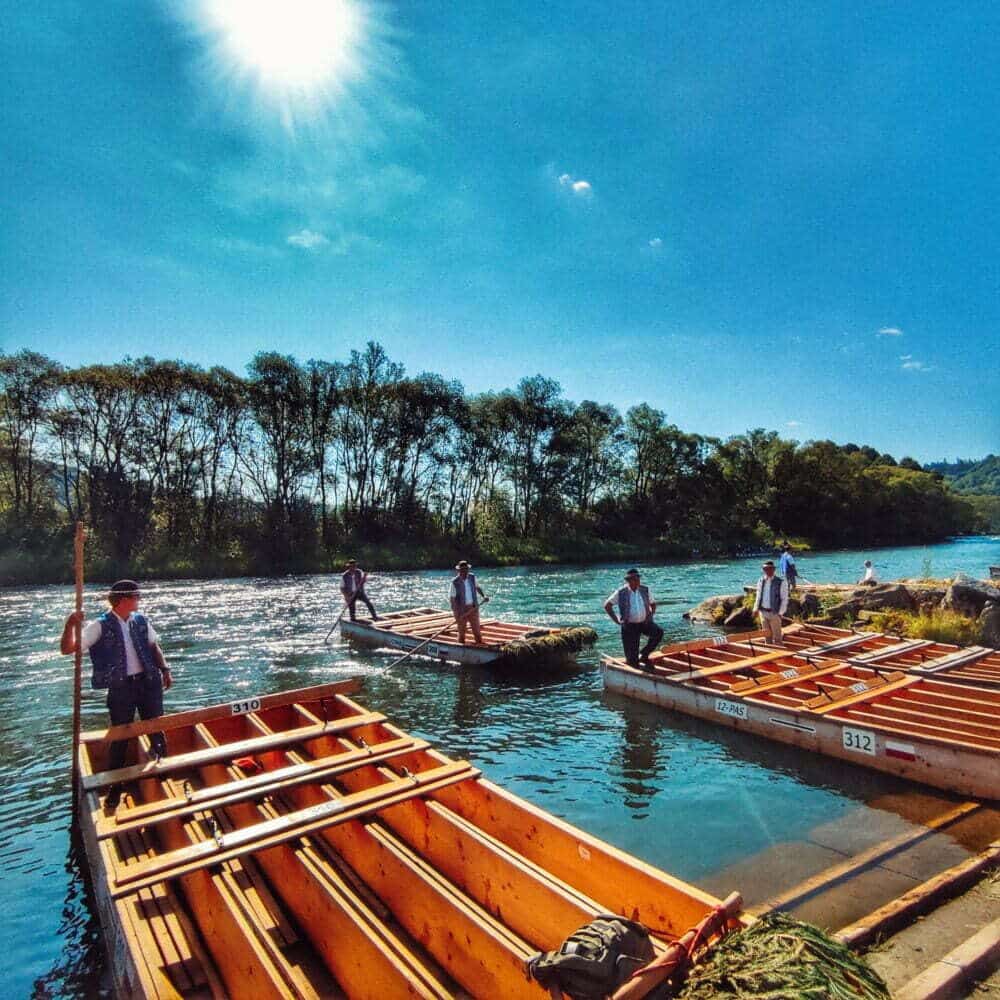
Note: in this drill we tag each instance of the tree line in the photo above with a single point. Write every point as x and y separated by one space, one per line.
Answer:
180 469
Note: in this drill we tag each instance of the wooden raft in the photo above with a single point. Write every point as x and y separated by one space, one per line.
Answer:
298 845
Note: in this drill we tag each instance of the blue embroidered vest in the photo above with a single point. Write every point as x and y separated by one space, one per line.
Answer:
108 654
775 595
625 599
459 584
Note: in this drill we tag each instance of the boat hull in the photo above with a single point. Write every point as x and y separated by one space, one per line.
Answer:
366 634
935 763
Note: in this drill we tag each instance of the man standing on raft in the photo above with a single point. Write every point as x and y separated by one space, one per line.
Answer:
635 615
464 599
352 587
128 661
771 603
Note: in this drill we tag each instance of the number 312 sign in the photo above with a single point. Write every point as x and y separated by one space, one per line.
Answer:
859 740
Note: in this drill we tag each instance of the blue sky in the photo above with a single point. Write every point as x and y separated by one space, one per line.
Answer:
776 214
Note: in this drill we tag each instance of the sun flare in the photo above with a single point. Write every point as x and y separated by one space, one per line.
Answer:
296 56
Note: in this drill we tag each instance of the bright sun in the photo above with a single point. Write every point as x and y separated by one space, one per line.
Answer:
297 55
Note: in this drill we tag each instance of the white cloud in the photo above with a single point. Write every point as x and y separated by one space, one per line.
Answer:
307 240
890 331
579 187
911 364
793 423
655 243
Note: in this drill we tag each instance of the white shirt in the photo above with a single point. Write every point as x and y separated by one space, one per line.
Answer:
133 665
870 574
636 606
469 595
761 592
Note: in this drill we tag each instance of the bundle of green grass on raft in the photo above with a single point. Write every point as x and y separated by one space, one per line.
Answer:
551 645
778 958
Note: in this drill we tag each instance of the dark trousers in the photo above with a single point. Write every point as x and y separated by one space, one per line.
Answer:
360 595
630 639
135 694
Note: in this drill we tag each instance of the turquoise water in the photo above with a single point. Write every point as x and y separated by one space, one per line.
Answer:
686 796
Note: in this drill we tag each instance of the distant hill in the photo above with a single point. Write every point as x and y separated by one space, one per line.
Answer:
969 476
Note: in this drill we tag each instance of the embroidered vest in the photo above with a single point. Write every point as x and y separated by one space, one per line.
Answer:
625 600
350 582
459 584
108 654
773 601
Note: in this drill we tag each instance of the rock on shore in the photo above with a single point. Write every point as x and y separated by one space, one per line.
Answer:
831 603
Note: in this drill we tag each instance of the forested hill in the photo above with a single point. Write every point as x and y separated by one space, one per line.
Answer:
982 477
182 471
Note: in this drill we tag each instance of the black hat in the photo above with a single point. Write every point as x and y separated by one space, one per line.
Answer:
123 588
461 563
768 562
352 562
632 572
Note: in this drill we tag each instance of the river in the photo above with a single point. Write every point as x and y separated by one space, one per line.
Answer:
701 802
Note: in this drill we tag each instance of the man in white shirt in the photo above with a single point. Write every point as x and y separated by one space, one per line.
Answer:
463 597
127 660
771 603
870 579
635 609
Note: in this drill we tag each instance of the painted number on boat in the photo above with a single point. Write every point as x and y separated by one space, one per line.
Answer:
247 705
859 740
736 709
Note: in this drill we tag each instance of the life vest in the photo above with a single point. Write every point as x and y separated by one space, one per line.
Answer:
108 654
774 597
352 582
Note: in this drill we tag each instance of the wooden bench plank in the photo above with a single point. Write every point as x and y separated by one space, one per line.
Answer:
859 691
290 826
226 751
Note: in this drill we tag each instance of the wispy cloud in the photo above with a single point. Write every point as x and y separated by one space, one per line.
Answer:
655 243
579 187
306 239
890 331
911 364
793 423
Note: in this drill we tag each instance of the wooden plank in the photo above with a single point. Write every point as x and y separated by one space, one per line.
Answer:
736 665
960 658
888 652
810 671
288 827
225 751
860 691
179 720
244 789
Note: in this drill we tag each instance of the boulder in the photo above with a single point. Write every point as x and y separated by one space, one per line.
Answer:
880 598
969 596
811 606
742 617
989 623
714 609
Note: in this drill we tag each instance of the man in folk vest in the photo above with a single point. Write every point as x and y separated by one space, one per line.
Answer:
771 603
352 587
127 660
635 609
464 599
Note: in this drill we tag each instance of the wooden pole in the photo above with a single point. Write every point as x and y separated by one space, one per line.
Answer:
78 540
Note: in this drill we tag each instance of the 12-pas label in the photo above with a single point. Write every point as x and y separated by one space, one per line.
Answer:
734 709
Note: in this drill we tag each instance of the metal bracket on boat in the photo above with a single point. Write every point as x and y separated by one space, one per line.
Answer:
323 711
217 834
187 789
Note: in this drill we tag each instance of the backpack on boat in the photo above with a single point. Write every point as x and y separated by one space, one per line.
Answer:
594 960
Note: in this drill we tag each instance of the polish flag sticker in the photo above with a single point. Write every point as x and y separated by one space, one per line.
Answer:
903 751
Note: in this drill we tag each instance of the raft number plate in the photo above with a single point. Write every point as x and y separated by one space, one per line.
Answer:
735 709
247 705
860 741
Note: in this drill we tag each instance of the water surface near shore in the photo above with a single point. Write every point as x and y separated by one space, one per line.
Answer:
689 797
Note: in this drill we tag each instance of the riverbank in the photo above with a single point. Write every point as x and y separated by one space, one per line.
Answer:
962 610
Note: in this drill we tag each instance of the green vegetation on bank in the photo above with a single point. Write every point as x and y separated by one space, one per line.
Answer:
179 471
980 478
938 625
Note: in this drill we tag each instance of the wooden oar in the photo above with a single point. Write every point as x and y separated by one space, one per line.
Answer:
77 666
415 649
336 623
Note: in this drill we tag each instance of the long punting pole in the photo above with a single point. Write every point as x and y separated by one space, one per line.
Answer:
77 666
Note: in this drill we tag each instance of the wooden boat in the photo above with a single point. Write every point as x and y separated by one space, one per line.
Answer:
435 633
298 845
840 694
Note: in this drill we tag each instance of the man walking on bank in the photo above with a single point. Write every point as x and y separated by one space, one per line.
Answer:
464 599
352 587
127 659
635 610
771 603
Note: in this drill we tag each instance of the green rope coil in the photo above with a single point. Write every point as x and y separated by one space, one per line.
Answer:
779 958
551 645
